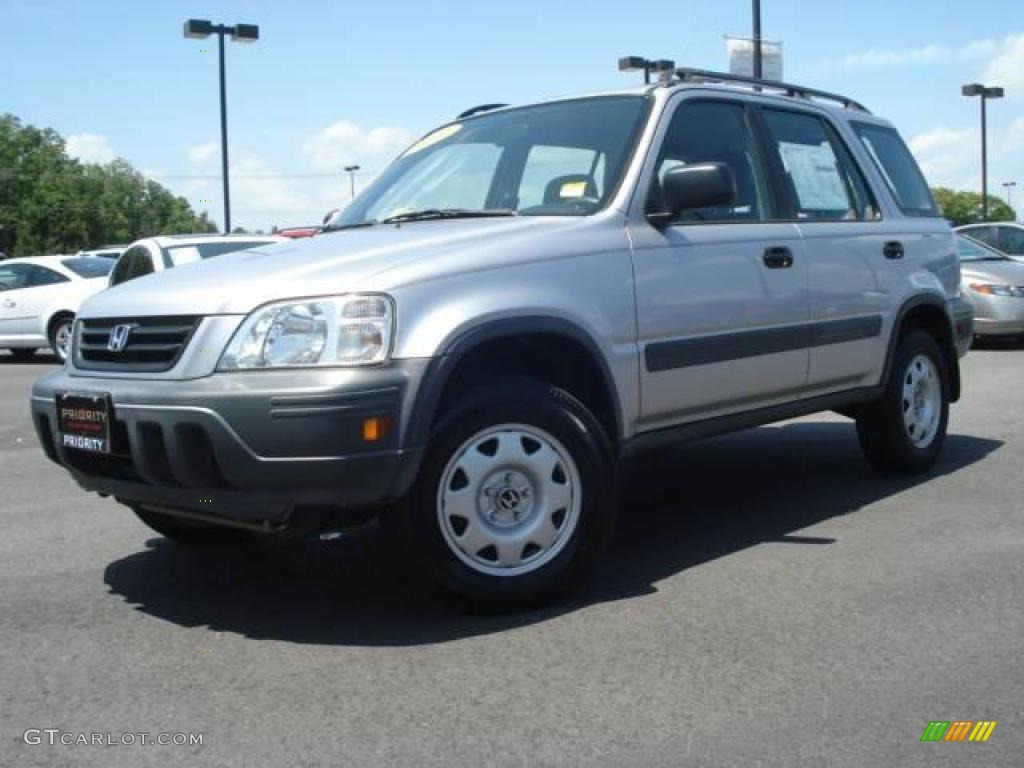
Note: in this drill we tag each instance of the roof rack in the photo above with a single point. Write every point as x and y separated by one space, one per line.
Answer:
481 108
688 75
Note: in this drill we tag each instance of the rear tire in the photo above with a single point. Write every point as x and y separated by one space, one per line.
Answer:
516 495
188 533
60 335
23 353
903 432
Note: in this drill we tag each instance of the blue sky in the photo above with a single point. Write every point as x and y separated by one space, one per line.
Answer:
333 83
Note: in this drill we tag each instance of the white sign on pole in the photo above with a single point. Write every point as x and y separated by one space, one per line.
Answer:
741 57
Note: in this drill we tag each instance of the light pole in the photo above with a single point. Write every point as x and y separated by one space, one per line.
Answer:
198 29
663 68
756 12
351 171
1008 186
986 93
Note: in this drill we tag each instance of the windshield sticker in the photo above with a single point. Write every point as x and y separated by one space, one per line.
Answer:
433 138
573 189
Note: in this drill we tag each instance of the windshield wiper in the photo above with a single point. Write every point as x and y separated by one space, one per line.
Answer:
340 227
447 213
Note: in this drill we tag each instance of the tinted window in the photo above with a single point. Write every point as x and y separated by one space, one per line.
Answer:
821 178
43 276
705 132
14 276
898 168
89 266
135 262
1010 240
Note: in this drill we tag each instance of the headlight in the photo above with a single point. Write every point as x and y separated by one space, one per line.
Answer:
1016 291
343 330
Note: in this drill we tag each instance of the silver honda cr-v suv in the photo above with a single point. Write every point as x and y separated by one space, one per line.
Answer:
522 298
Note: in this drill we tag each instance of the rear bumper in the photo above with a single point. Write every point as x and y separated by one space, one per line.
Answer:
253 446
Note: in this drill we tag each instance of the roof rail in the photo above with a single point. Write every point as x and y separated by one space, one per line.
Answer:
689 75
481 108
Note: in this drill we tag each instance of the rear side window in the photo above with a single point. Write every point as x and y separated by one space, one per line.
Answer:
898 168
89 266
134 263
823 181
44 276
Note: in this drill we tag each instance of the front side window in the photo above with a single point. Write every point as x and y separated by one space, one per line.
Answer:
564 158
898 168
135 262
714 132
1010 240
822 180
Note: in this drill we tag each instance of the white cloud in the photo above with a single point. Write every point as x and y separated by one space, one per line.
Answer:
1007 67
202 153
89 148
974 50
344 143
944 156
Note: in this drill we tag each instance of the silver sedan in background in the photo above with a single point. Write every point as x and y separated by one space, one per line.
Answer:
993 283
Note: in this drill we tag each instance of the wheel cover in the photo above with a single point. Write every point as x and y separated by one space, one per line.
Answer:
62 340
509 500
922 401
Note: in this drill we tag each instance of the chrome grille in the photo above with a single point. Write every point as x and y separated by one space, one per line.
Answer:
151 344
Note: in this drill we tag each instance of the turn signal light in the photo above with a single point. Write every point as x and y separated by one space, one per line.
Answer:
375 428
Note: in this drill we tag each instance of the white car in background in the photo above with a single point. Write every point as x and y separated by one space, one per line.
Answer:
155 254
39 297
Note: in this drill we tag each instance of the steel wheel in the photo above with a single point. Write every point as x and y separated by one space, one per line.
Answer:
922 401
509 500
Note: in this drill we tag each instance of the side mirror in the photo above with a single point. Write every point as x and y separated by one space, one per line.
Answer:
703 185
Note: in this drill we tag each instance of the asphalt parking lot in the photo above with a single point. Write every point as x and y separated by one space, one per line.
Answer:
769 601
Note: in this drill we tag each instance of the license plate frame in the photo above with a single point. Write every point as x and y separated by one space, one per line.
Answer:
83 421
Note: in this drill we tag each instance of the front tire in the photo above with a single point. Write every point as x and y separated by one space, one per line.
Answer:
903 432
188 533
515 498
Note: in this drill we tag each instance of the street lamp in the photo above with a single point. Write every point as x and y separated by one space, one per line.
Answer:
662 67
1008 186
351 171
197 29
986 93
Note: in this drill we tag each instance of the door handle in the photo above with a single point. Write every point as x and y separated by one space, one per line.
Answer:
778 257
893 250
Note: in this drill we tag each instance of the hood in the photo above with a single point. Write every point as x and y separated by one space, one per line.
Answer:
994 272
330 263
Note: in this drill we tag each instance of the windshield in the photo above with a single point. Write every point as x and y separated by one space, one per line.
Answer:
89 266
972 250
564 158
177 255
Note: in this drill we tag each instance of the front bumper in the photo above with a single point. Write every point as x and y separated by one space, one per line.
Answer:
251 446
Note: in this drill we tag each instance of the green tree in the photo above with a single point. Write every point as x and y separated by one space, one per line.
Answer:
965 207
51 203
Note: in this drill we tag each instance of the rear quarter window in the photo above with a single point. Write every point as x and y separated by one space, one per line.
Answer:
899 169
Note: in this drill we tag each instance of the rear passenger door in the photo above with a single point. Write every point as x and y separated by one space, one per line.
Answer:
721 292
849 276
